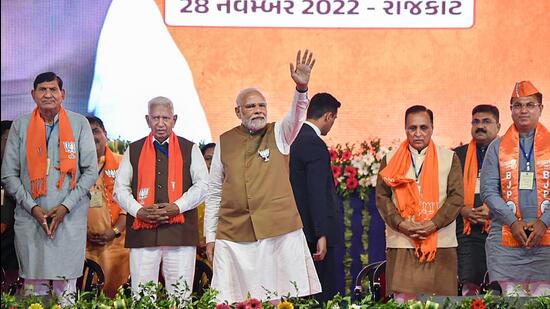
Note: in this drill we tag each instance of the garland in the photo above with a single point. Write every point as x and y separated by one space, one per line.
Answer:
348 212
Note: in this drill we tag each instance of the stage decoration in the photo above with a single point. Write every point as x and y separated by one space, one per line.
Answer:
154 296
355 170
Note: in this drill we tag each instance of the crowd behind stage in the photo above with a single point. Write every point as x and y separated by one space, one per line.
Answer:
259 207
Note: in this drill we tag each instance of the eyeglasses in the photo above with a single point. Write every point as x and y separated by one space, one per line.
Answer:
485 122
517 106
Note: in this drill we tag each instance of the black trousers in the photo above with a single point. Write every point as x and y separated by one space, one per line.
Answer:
326 270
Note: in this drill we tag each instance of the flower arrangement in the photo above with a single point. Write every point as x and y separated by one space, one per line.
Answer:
150 298
355 168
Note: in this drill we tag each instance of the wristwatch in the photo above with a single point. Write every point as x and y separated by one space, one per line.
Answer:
117 232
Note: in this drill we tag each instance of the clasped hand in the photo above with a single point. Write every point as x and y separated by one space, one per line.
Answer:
417 230
475 215
55 215
528 234
158 213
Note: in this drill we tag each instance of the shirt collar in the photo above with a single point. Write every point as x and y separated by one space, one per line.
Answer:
416 153
315 128
165 142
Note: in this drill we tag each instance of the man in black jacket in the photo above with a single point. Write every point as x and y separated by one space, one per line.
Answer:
314 191
471 224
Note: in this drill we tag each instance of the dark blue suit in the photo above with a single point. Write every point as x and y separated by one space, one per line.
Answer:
315 195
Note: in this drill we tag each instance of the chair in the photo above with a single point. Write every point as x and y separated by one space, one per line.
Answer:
375 274
3 278
379 282
489 285
92 278
9 285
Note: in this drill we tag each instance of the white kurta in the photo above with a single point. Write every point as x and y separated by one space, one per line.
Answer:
271 265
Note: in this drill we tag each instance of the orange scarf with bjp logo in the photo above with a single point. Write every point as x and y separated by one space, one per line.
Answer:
37 152
108 172
509 153
146 178
470 178
421 206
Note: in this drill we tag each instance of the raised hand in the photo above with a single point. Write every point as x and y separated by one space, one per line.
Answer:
300 74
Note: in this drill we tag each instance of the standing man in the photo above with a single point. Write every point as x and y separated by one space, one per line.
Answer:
49 165
514 184
106 221
208 152
314 191
472 224
251 216
419 194
161 180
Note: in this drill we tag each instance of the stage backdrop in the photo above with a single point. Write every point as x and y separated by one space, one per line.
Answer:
376 57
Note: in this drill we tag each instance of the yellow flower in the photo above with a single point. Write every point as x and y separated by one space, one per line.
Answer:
36 306
56 307
285 305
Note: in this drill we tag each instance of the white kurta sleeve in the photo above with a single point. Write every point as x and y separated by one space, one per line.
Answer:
214 196
123 186
287 129
199 175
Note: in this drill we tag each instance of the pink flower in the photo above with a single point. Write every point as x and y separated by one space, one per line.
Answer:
241 305
346 155
253 303
350 171
223 306
352 183
336 171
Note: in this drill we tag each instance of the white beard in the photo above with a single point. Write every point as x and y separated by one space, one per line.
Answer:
255 124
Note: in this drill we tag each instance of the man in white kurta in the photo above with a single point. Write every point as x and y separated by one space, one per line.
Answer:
159 238
251 218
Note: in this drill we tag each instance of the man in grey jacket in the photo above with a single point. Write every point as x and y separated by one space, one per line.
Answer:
49 166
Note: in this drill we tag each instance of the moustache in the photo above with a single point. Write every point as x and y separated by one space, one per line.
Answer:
481 130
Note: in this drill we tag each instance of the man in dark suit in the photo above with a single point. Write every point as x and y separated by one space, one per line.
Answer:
314 191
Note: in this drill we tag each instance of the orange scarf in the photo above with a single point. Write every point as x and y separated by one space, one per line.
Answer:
37 152
108 173
146 178
470 179
509 170
410 202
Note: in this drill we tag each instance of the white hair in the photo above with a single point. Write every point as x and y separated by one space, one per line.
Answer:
243 94
163 101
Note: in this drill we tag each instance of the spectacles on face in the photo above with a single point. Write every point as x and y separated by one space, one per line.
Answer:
517 106
484 122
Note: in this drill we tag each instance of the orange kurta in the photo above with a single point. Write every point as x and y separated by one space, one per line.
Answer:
113 257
